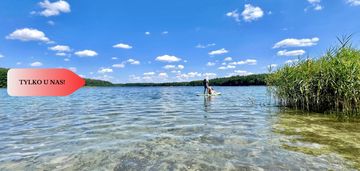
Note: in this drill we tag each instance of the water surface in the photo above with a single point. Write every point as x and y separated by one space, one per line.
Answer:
168 128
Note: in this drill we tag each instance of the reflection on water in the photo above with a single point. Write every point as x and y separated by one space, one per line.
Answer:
207 103
163 128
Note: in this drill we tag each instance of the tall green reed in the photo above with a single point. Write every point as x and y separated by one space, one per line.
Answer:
329 84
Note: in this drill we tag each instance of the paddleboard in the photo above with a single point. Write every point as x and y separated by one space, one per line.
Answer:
215 94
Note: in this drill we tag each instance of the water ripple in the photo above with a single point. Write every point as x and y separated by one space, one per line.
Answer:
167 128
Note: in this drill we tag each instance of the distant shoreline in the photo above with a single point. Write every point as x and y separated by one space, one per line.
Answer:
249 80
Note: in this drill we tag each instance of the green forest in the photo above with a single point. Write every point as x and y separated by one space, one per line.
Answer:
258 79
97 83
227 81
3 77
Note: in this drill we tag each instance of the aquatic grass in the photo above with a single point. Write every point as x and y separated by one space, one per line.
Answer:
329 84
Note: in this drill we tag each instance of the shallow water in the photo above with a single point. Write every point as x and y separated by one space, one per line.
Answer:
169 128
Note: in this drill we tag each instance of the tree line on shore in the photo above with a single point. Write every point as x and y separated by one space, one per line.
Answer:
249 80
3 77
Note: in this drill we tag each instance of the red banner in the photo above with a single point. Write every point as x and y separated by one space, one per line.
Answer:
42 82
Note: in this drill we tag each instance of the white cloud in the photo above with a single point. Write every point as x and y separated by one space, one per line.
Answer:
1 56
167 58
133 62
163 74
28 34
52 23
175 72
252 13
180 67
189 75
18 63
318 7
122 46
86 53
194 74
119 65
241 73
245 62
104 77
218 52
227 67
147 33
228 59
66 59
114 58
60 54
201 46
353 2
234 14
134 78
210 64
315 4
290 53
54 8
169 67
147 78
165 32
174 67
60 48
291 42
36 64
122 64
149 73
291 61
209 75
105 70
73 69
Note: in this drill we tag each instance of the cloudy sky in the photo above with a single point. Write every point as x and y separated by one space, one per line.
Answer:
163 40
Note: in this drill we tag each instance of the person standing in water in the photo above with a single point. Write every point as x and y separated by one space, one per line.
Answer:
206 85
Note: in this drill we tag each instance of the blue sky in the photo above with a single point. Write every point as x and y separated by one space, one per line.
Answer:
161 41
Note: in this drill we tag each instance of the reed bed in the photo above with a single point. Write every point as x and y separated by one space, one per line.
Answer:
329 84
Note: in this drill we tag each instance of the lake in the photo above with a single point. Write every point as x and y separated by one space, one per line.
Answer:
170 128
